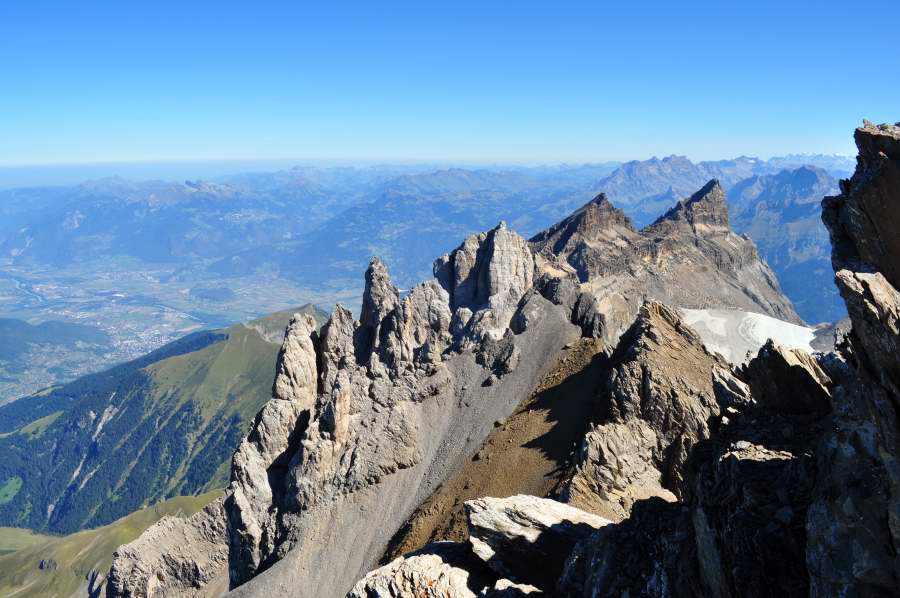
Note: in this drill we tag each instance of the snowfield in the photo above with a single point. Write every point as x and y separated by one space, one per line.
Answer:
734 333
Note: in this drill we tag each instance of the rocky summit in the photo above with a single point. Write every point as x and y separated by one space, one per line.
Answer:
688 258
682 476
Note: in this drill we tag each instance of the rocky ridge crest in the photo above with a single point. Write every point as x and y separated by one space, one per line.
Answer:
368 417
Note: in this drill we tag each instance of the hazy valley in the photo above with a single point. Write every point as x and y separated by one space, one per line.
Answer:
144 263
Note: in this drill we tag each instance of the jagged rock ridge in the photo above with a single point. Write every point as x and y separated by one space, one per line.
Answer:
794 489
368 417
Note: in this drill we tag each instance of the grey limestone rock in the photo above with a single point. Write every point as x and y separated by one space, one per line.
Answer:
527 538
441 570
174 557
688 258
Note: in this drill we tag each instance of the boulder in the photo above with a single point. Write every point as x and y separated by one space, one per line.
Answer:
527 538
440 570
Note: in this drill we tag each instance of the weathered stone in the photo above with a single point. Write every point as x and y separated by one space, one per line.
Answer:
688 258
488 274
380 298
441 570
527 538
662 399
874 307
863 221
854 521
258 465
174 557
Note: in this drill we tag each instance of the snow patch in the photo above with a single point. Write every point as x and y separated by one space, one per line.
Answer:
734 333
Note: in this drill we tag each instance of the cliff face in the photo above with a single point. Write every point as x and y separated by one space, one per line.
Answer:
859 528
369 418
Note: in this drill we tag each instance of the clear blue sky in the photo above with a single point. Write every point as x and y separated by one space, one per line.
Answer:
513 81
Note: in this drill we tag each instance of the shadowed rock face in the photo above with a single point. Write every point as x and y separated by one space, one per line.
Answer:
854 520
864 219
704 211
527 538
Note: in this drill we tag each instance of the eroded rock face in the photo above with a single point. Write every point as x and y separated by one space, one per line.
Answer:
738 526
487 275
401 395
863 221
662 399
262 458
688 258
788 380
174 557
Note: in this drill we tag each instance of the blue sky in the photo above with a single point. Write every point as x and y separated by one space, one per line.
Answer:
514 82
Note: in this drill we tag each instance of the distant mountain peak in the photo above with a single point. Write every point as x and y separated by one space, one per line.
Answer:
595 219
705 209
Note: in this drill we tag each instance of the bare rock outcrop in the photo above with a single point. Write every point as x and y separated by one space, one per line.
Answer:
262 457
854 523
788 380
661 399
441 570
174 557
863 221
487 275
402 395
526 538
738 527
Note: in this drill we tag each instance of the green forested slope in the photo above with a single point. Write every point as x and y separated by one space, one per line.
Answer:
87 453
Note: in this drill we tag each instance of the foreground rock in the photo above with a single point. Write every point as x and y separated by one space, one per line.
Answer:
738 528
527 538
854 519
438 570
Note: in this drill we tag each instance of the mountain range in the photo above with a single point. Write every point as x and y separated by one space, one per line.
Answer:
370 416
511 426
